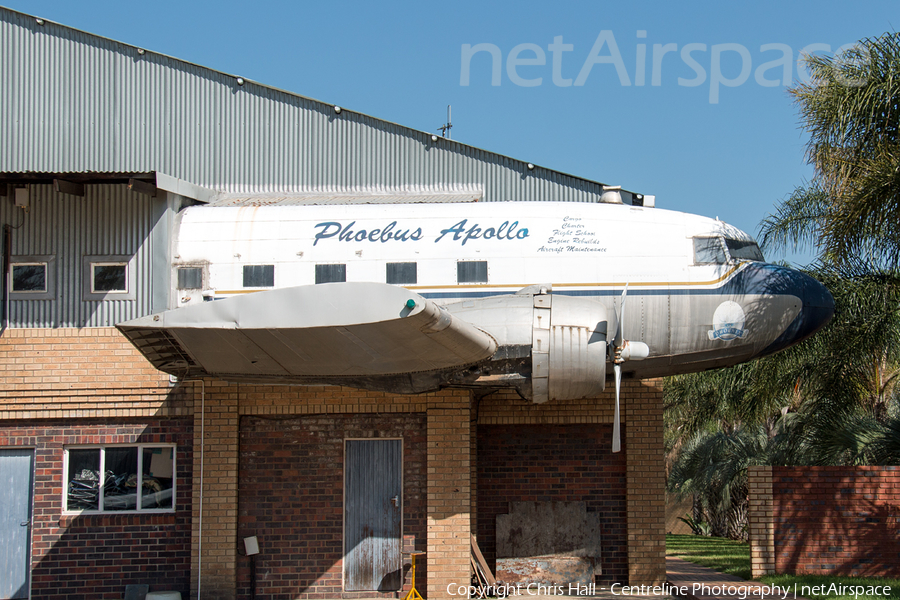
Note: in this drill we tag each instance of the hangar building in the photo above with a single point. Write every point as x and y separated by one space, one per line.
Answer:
101 144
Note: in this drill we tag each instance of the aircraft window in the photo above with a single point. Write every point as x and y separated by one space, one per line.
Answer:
331 273
472 271
709 250
259 275
190 278
399 273
740 250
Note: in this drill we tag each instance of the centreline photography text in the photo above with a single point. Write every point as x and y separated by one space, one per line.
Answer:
740 592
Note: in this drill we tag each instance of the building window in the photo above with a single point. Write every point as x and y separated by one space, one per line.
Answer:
31 278
190 278
259 276
109 277
331 273
471 271
400 273
134 479
28 277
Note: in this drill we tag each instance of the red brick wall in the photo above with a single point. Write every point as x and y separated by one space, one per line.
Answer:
554 463
96 556
837 520
291 497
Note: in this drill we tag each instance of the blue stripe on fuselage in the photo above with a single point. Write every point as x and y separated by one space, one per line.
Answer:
751 278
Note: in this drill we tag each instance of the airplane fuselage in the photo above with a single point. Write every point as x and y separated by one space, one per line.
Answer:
699 294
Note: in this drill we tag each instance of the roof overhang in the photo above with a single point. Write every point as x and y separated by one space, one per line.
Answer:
72 183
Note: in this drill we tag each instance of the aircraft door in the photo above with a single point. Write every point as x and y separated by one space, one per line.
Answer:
373 509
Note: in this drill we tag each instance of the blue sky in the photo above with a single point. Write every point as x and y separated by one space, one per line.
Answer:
718 135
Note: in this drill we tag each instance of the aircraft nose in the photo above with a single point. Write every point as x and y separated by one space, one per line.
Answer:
816 312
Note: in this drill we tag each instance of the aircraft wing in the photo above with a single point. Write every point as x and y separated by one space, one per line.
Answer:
314 331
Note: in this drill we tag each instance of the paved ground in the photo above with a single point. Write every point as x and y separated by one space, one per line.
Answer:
699 583
684 580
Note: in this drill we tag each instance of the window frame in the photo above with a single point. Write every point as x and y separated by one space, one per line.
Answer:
90 261
101 448
178 269
49 262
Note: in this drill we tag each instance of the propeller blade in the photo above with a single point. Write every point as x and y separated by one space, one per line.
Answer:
616 441
620 321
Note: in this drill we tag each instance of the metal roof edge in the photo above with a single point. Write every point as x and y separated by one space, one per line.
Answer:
531 167
184 188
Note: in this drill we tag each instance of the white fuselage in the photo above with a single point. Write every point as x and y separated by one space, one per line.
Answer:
574 246
698 294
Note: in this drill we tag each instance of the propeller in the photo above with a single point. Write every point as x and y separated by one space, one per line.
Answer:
620 351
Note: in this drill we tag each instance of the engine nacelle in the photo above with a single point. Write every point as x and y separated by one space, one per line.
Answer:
566 336
568 350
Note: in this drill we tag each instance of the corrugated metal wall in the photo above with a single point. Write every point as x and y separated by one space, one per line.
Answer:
72 101
108 220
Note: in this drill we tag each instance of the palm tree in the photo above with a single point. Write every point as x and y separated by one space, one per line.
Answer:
851 108
833 399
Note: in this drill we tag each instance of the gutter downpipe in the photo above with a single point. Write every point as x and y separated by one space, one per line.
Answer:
7 251
200 510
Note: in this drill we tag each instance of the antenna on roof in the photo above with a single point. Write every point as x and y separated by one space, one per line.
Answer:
445 128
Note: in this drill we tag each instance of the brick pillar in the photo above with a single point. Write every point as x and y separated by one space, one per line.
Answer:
646 472
761 518
473 471
214 547
449 498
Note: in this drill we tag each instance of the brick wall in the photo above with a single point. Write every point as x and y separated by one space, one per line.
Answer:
642 490
81 373
643 409
94 375
98 555
291 497
759 520
215 485
449 500
833 520
554 463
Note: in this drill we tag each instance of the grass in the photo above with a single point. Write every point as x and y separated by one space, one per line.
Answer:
733 558
725 556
